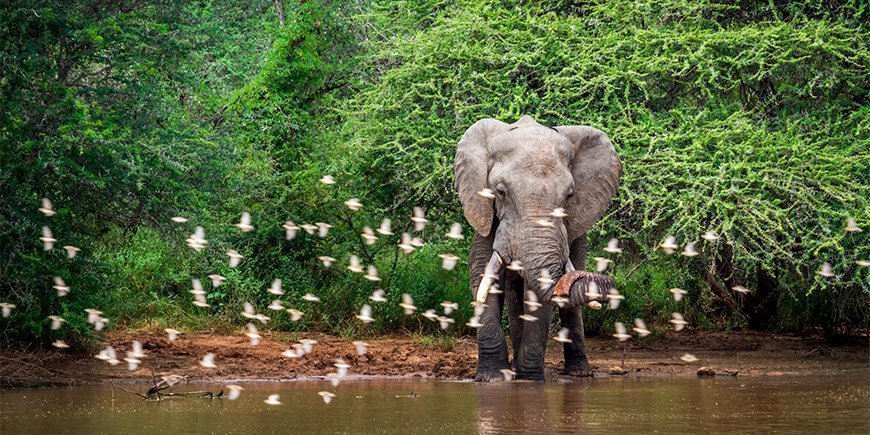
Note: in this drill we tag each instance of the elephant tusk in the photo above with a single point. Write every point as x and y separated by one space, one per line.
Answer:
490 275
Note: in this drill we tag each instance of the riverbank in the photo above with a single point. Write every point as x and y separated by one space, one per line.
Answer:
748 353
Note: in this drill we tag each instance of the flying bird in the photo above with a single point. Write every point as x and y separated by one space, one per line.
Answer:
372 273
487 193
408 304
689 358
235 257
342 367
108 355
273 400
474 322
276 287
405 245
295 314
326 260
365 314
419 219
640 328
613 247
515 266
562 336
678 321
235 391
60 344
47 239
621 333
740 289
197 240
216 280
449 307
559 212
444 321
825 270
361 347
529 318
60 286
531 301
508 374
327 179
276 305
689 250
253 334
245 223
208 361
385 228
56 322
309 228
309 297
172 333
710 236
71 251
327 396
179 219
46 208
353 204
852 226
369 236
669 245
448 261
378 296
354 265
545 279
455 232
601 263
290 230
322 229
678 293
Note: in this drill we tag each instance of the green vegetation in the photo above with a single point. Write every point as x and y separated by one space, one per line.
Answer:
746 118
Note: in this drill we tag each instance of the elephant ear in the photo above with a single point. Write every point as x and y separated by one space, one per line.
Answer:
596 169
471 169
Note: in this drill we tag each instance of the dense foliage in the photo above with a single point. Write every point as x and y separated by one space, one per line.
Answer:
749 119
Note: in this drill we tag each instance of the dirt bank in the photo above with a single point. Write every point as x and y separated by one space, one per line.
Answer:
750 353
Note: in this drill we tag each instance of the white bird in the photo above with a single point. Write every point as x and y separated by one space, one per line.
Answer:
361 347
863 263
100 323
354 265
559 301
71 251
852 226
372 273
546 223
740 289
449 307
248 311
289 353
199 300
515 266
47 238
253 334
56 322
327 179
197 240
689 250
295 314
640 328
132 363
710 236
562 336
93 315
235 257
455 232
419 219
365 314
197 287
245 223
405 245
417 242
327 396
592 291
60 286
494 289
595 305
322 229
276 305
408 304
532 301
108 355
334 379
601 263
353 204
678 293
276 287
208 361
290 230
307 344
216 280
487 193
529 318
172 333
444 321
136 350
342 367
377 296
309 297
689 358
448 261
309 228
825 270
273 399
614 298
326 260
474 322
678 321
60 344
46 208
369 236
235 391
430 314
621 333
545 279
508 374
669 245
179 219
613 247
559 212
385 228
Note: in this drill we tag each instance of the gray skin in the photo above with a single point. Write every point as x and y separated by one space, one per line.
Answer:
533 170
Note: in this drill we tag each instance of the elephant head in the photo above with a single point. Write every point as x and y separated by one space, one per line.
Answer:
531 171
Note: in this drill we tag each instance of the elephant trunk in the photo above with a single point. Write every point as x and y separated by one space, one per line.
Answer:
584 287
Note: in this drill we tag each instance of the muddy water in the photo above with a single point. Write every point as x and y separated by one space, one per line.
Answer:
630 405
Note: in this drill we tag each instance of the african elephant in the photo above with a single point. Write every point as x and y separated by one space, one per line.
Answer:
531 170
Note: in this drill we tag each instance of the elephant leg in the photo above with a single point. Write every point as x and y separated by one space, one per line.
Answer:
514 299
576 361
533 345
492 354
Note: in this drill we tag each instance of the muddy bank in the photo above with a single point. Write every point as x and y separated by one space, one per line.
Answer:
749 353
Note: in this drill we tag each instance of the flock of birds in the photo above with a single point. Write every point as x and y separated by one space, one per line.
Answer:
408 244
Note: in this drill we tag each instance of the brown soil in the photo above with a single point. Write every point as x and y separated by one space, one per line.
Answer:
749 353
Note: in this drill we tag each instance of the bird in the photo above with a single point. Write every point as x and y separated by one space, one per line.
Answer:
132 363
353 204
310 297
197 240
290 230
93 314
385 228
327 396
825 270
613 247
494 289
710 236
529 318
276 305
621 333
601 263
178 219
487 193
419 219
245 223
449 307
327 179
531 301
235 257
47 239
669 245
235 391
678 321
309 228
248 311
455 232
417 242
136 350
508 374
559 301
108 355
46 208
273 400
545 279
56 322
448 261
378 296
197 287
545 223
405 245
474 322
369 236
592 291
60 286
216 280
372 273
361 347
208 361
689 250
740 289
689 358
595 305
354 265
276 287
444 321
172 333
863 263
60 344
71 251
307 344
558 212
295 314
408 304
334 378
342 367
199 301
326 260
253 334
365 314
515 266
678 293
289 353
431 315
640 328
852 226
322 229
562 336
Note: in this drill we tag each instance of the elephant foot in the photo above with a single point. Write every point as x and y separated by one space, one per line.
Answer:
489 376
534 375
580 370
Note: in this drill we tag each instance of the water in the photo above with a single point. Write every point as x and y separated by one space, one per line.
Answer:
630 405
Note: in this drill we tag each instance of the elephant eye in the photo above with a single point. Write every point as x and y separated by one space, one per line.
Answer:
500 189
570 194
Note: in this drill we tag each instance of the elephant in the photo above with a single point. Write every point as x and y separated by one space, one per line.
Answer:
530 170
